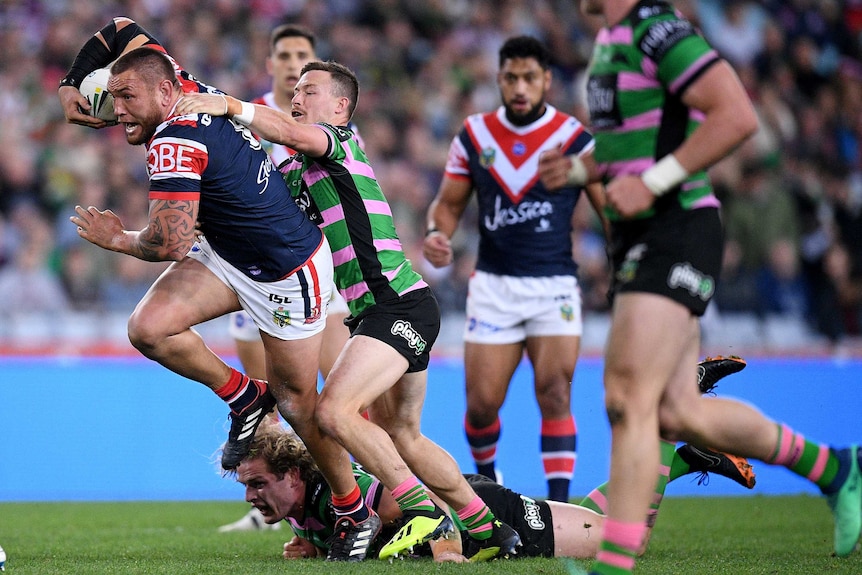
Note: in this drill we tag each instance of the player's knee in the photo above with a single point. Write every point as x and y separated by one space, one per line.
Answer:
144 333
481 416
329 416
554 399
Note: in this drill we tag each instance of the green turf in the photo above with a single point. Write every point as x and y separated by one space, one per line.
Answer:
747 535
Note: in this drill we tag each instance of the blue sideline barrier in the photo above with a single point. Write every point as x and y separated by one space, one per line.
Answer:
128 429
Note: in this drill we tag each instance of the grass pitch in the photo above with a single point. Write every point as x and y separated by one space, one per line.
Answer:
723 536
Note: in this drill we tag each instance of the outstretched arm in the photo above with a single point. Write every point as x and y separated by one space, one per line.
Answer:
269 123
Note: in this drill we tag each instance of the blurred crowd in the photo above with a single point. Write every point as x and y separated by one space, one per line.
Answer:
792 196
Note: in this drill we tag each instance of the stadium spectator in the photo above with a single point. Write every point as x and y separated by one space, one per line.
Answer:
444 84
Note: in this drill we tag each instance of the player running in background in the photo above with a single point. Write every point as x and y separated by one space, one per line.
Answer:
524 294
664 107
394 315
256 250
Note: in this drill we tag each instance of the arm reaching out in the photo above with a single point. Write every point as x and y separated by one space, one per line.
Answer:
269 123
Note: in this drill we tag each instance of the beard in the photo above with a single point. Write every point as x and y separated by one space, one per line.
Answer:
529 117
148 126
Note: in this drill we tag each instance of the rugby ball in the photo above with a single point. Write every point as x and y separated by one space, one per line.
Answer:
95 88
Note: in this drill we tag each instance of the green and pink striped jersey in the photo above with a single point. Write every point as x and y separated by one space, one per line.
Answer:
340 193
639 70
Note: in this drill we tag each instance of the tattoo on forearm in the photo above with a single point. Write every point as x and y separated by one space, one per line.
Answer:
170 232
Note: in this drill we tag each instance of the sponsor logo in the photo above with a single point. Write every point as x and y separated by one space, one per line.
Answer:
306 203
662 36
523 212
263 174
474 324
176 157
543 226
519 148
404 329
601 99
531 513
275 298
647 11
687 277
281 317
567 312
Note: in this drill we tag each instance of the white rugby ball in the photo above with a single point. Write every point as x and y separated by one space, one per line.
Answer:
95 88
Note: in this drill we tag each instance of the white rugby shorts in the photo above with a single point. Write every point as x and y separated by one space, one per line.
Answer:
284 309
509 309
243 328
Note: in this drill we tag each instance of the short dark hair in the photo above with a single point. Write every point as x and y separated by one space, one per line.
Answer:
525 47
153 65
290 31
346 84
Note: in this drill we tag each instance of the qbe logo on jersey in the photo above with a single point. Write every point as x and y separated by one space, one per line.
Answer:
176 157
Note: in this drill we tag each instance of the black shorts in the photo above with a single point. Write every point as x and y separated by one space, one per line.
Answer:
676 254
531 518
410 324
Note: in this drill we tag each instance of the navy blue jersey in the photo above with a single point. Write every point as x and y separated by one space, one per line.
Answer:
246 211
524 229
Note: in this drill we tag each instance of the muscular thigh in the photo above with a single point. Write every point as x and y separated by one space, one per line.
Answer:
186 294
488 369
649 334
399 408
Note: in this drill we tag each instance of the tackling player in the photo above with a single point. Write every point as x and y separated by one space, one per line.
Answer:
256 250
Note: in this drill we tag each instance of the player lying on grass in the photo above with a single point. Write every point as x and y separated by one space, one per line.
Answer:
283 483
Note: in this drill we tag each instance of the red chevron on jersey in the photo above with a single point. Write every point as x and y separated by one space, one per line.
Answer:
511 153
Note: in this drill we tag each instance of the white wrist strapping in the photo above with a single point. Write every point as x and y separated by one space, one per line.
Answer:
664 175
246 116
577 174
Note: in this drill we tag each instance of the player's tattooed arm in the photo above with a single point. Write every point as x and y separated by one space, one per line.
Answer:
169 234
